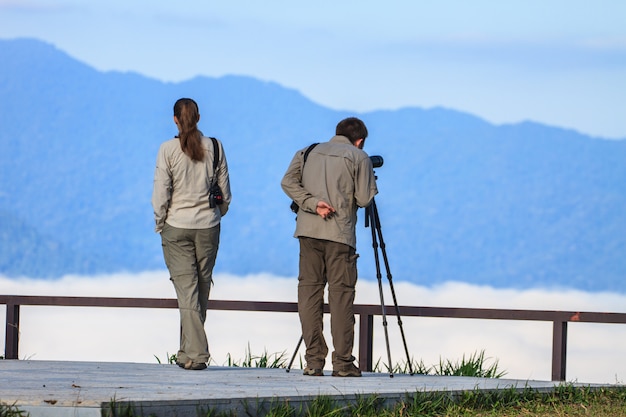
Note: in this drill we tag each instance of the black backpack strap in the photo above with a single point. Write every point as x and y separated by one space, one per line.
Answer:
216 153
308 151
294 206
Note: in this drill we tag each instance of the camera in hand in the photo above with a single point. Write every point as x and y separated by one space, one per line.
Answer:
215 196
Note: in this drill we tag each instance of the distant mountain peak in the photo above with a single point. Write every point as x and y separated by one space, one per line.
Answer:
516 205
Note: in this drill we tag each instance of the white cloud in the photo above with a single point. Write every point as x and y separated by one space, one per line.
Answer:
523 349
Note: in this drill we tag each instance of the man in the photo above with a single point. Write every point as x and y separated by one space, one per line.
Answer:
336 179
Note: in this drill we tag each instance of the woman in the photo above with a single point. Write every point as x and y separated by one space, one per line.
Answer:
189 223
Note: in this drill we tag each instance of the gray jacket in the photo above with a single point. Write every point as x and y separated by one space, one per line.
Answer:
336 172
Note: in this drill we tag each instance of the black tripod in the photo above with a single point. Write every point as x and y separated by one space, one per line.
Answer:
372 220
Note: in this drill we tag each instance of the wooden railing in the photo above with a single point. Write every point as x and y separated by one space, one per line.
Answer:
366 313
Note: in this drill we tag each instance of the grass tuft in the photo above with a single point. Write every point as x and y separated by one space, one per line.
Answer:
11 410
171 358
476 365
264 360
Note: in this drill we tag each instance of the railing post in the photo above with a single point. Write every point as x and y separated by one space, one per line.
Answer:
12 339
559 350
366 343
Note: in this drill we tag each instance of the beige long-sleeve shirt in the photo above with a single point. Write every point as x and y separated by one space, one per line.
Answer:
338 173
180 195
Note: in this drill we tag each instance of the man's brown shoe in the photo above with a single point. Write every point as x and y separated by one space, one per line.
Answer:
351 371
196 366
312 372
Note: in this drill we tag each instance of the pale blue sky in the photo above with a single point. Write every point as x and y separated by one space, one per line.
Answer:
557 62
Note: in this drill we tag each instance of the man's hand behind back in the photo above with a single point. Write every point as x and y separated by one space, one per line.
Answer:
324 209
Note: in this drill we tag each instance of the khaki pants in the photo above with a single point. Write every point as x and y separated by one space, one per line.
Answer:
334 263
190 257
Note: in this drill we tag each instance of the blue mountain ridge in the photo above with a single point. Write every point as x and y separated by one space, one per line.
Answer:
521 205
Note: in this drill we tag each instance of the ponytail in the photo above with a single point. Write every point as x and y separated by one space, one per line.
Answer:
187 114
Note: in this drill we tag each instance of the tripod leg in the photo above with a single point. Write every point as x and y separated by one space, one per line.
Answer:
376 223
370 216
295 352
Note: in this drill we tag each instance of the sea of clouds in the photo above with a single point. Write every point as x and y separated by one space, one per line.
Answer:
522 349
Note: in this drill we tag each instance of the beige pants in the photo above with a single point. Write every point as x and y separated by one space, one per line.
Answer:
322 262
190 257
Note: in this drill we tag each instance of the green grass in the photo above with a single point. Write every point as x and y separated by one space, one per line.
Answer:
10 410
565 400
264 360
476 364
170 358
